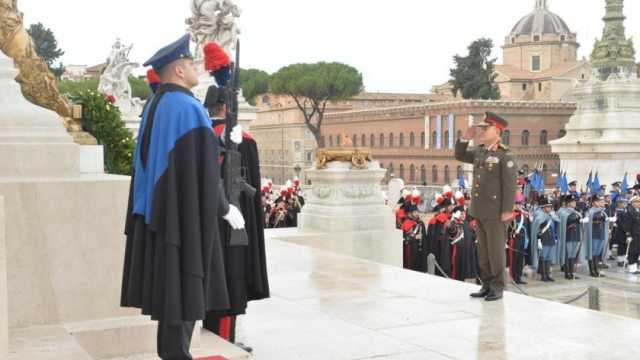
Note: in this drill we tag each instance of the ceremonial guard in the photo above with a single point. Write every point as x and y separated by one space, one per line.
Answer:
438 242
570 236
493 197
619 236
415 235
174 267
464 263
632 229
597 234
245 263
543 238
518 245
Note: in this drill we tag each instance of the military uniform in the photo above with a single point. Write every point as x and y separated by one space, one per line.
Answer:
493 193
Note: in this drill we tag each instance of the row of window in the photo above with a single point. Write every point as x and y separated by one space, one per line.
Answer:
420 175
382 141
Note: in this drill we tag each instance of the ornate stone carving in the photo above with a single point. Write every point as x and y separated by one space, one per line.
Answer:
358 158
322 192
359 191
36 81
214 20
614 50
114 80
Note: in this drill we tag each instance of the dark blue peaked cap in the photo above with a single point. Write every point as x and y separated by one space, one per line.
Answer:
170 53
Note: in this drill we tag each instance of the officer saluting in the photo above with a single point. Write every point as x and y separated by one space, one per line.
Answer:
492 199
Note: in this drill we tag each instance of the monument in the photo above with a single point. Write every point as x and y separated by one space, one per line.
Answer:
602 136
216 21
114 82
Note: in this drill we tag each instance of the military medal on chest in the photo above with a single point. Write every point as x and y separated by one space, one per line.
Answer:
491 161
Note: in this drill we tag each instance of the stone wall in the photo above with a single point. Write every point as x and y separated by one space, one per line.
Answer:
4 316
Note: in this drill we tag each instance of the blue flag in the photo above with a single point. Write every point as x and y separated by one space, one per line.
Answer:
462 183
564 184
589 182
625 184
595 186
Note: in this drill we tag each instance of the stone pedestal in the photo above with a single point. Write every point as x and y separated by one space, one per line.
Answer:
346 200
602 136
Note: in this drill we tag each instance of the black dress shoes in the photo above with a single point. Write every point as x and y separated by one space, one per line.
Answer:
493 295
484 291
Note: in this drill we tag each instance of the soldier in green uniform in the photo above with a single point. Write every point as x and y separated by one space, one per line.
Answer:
492 199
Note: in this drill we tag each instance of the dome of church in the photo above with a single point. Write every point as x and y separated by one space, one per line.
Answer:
541 21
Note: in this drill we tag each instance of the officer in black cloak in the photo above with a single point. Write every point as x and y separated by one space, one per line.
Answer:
173 266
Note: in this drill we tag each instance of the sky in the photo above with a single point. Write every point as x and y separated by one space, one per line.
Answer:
399 46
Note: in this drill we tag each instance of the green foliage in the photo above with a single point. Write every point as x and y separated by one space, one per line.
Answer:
313 85
474 74
253 82
103 120
46 46
139 87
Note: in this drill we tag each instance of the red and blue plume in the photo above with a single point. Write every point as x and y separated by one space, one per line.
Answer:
217 63
153 80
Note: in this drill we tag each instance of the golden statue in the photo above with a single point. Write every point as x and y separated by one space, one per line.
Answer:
37 82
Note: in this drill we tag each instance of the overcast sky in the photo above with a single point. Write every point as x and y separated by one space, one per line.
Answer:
399 45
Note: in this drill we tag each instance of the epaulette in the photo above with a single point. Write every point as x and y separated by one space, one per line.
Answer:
503 147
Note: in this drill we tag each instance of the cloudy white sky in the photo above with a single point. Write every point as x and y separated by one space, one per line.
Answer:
399 45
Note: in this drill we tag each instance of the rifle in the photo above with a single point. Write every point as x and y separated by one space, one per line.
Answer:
234 184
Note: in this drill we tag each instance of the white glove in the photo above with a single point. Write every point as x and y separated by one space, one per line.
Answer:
629 240
236 134
234 218
613 219
585 220
539 244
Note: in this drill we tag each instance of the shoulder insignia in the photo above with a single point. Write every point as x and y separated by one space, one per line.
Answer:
503 147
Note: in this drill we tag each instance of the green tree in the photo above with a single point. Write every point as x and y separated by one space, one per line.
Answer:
46 46
312 86
139 87
253 82
474 74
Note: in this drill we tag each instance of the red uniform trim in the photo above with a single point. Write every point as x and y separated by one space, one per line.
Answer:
225 328
454 262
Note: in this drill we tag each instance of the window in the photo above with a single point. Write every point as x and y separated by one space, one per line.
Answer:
562 133
434 174
322 141
381 140
506 135
447 180
330 140
363 140
423 174
412 139
513 40
391 140
459 135
543 137
539 87
525 138
339 140
524 87
445 140
535 63
412 173
354 140
563 38
434 139
401 140
402 171
422 140
536 38
391 169
372 140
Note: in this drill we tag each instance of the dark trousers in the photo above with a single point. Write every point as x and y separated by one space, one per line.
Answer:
174 340
492 237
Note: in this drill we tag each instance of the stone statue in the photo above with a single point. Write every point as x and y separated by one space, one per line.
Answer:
614 51
114 80
37 82
214 20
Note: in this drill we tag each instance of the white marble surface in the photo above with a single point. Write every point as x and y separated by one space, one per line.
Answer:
330 306
4 316
92 159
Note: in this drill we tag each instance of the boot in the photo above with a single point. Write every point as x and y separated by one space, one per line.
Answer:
599 259
591 273
632 269
548 271
567 269
484 291
543 271
572 268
